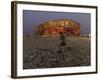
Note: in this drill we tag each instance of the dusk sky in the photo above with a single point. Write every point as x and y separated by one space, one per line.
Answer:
31 19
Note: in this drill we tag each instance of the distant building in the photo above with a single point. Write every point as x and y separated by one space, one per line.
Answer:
55 27
86 35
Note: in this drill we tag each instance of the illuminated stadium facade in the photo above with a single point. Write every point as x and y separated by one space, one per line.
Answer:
55 27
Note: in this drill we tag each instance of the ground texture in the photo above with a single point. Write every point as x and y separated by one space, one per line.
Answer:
46 52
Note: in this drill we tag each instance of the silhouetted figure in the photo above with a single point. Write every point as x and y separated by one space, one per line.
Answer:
62 38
